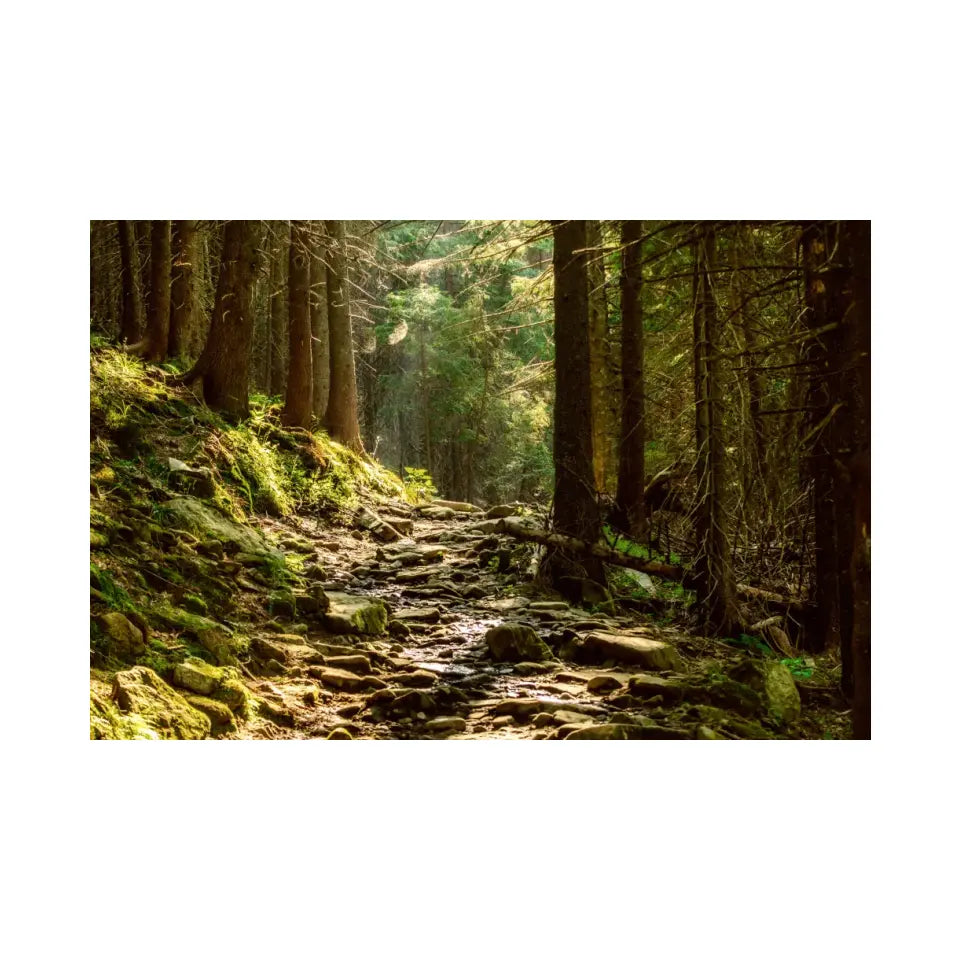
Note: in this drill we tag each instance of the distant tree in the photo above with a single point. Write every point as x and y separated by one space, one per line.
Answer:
575 509
298 407
713 573
342 420
142 231
183 299
319 326
224 363
131 305
630 478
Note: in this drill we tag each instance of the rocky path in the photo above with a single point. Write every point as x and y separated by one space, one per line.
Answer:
422 627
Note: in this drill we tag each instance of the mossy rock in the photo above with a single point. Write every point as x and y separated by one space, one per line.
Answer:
347 614
208 523
219 683
774 683
123 638
219 713
151 704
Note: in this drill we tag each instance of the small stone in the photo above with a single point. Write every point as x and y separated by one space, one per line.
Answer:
357 663
446 725
603 683
344 680
516 642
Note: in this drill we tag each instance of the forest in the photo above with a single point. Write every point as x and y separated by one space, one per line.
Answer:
464 479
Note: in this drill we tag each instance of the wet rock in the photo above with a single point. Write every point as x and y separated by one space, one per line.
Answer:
775 684
348 614
599 647
445 725
516 642
125 638
163 713
346 681
603 683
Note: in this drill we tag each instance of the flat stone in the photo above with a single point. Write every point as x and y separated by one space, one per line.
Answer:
437 513
456 505
416 679
355 663
599 647
602 683
645 686
446 725
346 681
417 614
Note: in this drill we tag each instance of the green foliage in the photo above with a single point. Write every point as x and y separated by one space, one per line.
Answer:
748 642
418 485
114 595
799 667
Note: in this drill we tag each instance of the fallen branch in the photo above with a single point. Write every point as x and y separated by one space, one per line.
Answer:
666 571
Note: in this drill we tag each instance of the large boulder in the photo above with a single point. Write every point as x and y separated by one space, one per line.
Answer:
348 614
140 692
644 651
774 682
209 523
516 642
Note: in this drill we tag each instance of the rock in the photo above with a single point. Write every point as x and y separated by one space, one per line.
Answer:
549 605
356 663
599 647
417 615
402 525
221 683
349 710
603 683
347 614
126 639
220 643
281 605
278 713
502 510
397 628
775 684
340 733
163 712
706 733
499 722
219 713
581 590
446 725
485 526
195 604
346 681
267 650
380 529
640 579
456 505
208 523
437 513
626 731
646 687
197 480
416 679
516 642
525 669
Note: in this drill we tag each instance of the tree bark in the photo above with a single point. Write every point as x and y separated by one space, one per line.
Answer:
142 232
342 422
154 347
601 385
713 572
298 407
631 474
576 512
183 300
225 361
320 328
131 312
278 312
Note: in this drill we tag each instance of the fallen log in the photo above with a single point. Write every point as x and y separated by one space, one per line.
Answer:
667 571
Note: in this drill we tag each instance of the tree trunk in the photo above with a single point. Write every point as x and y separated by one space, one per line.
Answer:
142 232
225 361
278 312
320 329
298 407
131 312
575 510
630 478
713 573
342 422
154 347
601 385
183 298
